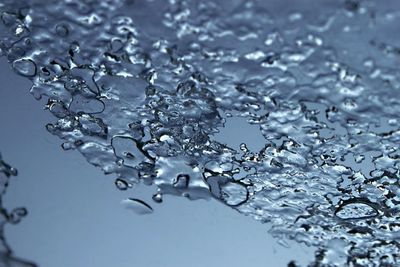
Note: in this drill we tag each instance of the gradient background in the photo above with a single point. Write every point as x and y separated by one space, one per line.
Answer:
75 217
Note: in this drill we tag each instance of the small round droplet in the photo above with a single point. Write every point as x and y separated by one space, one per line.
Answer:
25 67
121 184
243 147
67 146
13 171
157 198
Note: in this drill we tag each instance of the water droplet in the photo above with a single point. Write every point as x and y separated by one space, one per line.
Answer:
356 209
25 67
138 206
233 193
325 89
157 198
181 181
67 146
121 184
17 214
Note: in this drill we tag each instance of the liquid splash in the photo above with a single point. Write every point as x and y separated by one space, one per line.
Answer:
143 88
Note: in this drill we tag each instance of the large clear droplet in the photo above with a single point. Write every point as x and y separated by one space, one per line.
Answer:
233 194
355 210
25 67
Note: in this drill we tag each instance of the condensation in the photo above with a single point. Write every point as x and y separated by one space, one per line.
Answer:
143 89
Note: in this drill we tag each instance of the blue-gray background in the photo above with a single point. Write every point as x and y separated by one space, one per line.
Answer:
76 219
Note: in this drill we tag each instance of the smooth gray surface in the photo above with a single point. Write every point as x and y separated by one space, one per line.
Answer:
76 219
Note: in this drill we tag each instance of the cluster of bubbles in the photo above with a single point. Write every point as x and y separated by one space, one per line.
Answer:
141 88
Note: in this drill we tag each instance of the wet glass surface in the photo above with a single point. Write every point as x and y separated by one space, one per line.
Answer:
284 111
